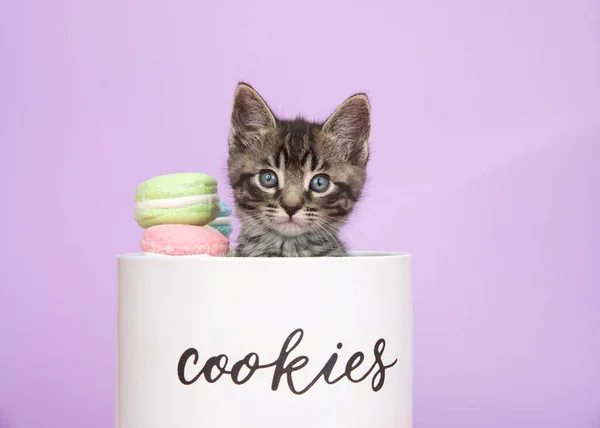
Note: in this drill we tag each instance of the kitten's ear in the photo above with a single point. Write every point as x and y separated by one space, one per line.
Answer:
251 117
349 129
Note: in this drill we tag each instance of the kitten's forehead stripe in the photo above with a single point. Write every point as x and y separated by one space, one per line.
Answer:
277 161
282 157
314 162
305 157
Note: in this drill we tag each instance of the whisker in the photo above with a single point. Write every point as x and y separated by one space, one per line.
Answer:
328 234
321 234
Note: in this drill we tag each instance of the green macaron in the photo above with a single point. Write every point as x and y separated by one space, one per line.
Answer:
181 198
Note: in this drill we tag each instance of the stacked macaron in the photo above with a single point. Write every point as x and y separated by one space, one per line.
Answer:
175 210
223 222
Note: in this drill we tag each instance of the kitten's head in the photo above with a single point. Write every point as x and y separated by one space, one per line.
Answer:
295 176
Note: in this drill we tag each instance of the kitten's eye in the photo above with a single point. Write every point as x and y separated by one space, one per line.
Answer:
268 179
319 183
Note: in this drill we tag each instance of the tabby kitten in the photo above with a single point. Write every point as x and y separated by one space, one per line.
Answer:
294 181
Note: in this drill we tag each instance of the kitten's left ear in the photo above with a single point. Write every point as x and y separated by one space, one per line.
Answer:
349 128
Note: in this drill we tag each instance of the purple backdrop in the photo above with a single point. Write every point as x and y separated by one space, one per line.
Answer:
486 152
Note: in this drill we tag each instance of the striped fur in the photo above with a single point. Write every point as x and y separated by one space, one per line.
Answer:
295 150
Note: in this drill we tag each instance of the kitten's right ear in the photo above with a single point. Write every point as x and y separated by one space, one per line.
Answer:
251 117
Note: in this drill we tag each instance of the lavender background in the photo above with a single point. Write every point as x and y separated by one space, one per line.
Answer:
486 139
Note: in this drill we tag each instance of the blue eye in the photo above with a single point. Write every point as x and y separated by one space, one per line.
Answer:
268 179
319 183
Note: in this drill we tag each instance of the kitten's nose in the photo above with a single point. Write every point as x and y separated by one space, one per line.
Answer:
291 203
291 210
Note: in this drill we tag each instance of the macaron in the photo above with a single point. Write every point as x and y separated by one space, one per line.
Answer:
184 240
223 222
181 198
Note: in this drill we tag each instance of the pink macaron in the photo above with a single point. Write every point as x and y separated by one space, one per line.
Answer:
184 240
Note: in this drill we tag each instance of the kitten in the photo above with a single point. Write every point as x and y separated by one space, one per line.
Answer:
295 182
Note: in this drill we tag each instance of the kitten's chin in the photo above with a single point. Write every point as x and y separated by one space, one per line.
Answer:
289 229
